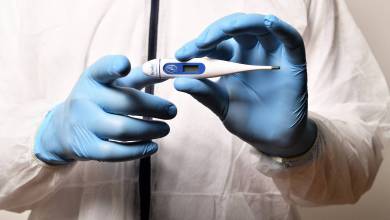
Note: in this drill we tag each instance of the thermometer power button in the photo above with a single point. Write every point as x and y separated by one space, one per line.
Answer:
170 68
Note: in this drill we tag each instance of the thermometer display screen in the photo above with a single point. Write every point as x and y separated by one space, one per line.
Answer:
190 68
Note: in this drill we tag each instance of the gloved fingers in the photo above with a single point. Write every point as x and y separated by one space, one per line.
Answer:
123 128
269 42
224 51
218 31
207 92
227 27
190 51
137 80
108 68
246 42
129 101
247 29
114 152
291 39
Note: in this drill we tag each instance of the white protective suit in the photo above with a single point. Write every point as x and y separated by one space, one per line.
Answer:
201 171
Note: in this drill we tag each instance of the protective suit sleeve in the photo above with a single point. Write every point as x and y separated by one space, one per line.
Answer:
348 100
24 103
24 180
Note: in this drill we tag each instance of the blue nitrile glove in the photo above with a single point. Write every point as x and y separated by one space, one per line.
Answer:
267 109
94 119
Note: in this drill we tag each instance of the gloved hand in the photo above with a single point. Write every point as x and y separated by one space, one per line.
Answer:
96 112
267 109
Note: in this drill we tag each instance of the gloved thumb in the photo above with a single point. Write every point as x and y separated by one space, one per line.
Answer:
109 68
207 92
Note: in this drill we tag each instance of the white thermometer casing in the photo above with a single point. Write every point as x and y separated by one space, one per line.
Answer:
196 68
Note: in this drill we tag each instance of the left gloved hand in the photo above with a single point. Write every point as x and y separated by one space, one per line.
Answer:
267 109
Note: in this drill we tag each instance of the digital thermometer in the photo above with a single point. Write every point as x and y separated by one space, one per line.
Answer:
196 68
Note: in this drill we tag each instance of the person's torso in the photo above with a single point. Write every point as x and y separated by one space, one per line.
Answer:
201 171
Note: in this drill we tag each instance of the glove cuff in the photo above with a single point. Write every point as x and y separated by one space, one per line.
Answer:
309 155
39 151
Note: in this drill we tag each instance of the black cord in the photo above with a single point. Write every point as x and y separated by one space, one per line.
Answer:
145 163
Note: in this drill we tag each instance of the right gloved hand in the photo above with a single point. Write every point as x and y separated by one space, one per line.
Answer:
96 113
